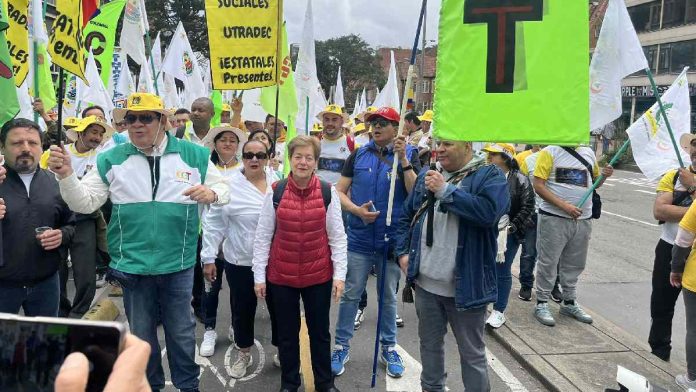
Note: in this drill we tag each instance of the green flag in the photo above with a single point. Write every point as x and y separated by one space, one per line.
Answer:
100 36
47 91
8 90
287 106
513 71
216 97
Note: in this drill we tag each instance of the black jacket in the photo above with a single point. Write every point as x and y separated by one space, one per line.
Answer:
26 263
521 203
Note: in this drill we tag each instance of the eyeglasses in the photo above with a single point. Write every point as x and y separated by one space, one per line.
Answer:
382 123
258 155
145 119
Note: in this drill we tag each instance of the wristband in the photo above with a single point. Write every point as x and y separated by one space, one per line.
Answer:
407 168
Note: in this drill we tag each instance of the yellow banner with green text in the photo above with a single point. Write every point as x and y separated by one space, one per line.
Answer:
66 45
18 38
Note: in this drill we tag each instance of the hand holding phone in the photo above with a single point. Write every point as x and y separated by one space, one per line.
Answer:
128 372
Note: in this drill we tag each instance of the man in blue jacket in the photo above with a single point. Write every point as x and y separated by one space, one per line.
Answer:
455 277
364 192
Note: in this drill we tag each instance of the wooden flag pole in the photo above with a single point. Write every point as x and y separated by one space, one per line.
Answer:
599 179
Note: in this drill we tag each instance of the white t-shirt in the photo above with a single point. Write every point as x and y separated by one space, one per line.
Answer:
333 156
82 163
26 179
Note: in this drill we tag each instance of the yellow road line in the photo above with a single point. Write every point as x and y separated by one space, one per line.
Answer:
306 358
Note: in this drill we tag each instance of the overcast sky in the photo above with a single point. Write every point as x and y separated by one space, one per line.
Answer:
382 23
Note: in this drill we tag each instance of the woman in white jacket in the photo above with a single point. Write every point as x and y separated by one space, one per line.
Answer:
235 223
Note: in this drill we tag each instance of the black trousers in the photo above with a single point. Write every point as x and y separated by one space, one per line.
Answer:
83 255
317 301
662 301
242 302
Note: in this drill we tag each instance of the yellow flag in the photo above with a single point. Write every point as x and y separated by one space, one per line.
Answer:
18 39
66 45
243 39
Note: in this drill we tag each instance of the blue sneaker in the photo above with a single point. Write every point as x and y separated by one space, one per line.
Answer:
391 359
339 358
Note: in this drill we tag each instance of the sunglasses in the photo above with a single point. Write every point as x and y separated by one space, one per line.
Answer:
259 155
382 123
145 119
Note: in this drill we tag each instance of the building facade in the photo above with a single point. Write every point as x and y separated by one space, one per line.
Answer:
424 89
667 32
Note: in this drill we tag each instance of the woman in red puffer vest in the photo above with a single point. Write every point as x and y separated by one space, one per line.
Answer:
300 252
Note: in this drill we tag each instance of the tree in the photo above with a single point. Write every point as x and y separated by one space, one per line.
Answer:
164 15
360 65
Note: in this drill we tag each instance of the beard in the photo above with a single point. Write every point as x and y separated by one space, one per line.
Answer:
25 164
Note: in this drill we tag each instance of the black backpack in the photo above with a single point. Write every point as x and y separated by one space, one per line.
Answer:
280 189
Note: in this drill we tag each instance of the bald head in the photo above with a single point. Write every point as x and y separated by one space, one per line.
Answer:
202 111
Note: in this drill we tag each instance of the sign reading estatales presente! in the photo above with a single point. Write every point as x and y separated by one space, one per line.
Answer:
243 36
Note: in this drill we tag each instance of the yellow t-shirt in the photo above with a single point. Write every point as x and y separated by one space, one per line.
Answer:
688 223
520 158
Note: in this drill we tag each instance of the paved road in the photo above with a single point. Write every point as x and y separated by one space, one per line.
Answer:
505 373
617 280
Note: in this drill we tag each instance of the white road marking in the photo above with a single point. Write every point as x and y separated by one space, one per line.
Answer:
630 219
410 380
607 184
642 191
259 366
505 375
205 363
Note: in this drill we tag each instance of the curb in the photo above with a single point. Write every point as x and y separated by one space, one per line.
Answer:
552 378
104 310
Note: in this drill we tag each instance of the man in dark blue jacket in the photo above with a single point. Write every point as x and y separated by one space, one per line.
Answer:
455 278
364 192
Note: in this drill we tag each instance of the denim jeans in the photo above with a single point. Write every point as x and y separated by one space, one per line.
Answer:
149 298
528 257
504 273
434 313
359 266
41 299
209 301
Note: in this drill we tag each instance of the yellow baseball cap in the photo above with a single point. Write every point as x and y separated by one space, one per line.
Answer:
70 122
332 109
141 102
369 110
226 107
427 116
359 128
316 128
86 122
501 148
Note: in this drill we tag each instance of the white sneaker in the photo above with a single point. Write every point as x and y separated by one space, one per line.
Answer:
359 318
208 345
496 319
276 360
240 366
230 334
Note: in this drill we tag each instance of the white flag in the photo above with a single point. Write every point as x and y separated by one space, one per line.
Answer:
338 95
36 24
356 107
170 95
390 93
363 101
252 110
145 82
95 93
306 80
125 85
156 55
652 146
617 55
180 62
133 30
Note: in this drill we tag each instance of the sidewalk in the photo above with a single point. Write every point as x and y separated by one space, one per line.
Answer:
573 356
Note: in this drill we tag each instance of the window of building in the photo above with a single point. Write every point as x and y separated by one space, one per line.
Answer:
426 86
691 11
665 58
651 56
683 54
646 17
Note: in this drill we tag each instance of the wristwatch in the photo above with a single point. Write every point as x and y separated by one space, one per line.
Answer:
691 189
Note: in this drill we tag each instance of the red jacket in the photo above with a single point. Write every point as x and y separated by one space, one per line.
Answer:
300 254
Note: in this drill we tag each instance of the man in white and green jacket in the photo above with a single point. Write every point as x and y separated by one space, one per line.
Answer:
156 184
